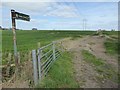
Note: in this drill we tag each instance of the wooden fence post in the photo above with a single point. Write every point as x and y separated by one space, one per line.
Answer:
53 47
39 63
35 72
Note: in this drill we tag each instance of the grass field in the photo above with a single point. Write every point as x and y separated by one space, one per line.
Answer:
27 40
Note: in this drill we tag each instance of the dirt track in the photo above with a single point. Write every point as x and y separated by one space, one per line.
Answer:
84 73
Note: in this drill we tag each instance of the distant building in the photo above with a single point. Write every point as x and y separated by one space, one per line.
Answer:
34 28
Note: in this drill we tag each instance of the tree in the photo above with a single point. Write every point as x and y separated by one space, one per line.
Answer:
34 28
0 27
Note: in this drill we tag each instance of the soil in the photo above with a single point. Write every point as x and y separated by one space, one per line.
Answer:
85 74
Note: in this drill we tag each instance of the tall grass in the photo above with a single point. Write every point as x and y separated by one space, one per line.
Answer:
61 74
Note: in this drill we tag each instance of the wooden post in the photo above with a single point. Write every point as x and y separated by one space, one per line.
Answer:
39 47
39 63
35 72
53 47
14 40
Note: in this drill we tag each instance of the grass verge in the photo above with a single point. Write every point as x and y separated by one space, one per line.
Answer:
61 74
112 46
105 70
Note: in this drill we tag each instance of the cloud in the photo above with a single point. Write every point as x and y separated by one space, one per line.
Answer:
28 1
41 21
44 8
60 0
27 6
64 11
104 15
49 15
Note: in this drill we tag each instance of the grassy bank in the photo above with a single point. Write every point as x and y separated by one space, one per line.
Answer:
105 70
61 74
112 46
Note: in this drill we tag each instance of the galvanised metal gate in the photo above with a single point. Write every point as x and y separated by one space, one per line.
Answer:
43 59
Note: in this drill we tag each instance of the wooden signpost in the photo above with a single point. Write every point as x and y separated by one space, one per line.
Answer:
19 16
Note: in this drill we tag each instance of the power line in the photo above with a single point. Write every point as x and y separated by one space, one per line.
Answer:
84 24
83 15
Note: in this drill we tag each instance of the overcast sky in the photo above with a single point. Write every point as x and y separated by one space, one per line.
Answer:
63 15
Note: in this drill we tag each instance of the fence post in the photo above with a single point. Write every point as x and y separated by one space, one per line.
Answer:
53 47
35 67
39 63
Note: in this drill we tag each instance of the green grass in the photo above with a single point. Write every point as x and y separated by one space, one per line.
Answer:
28 39
105 70
91 58
112 46
111 32
61 74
